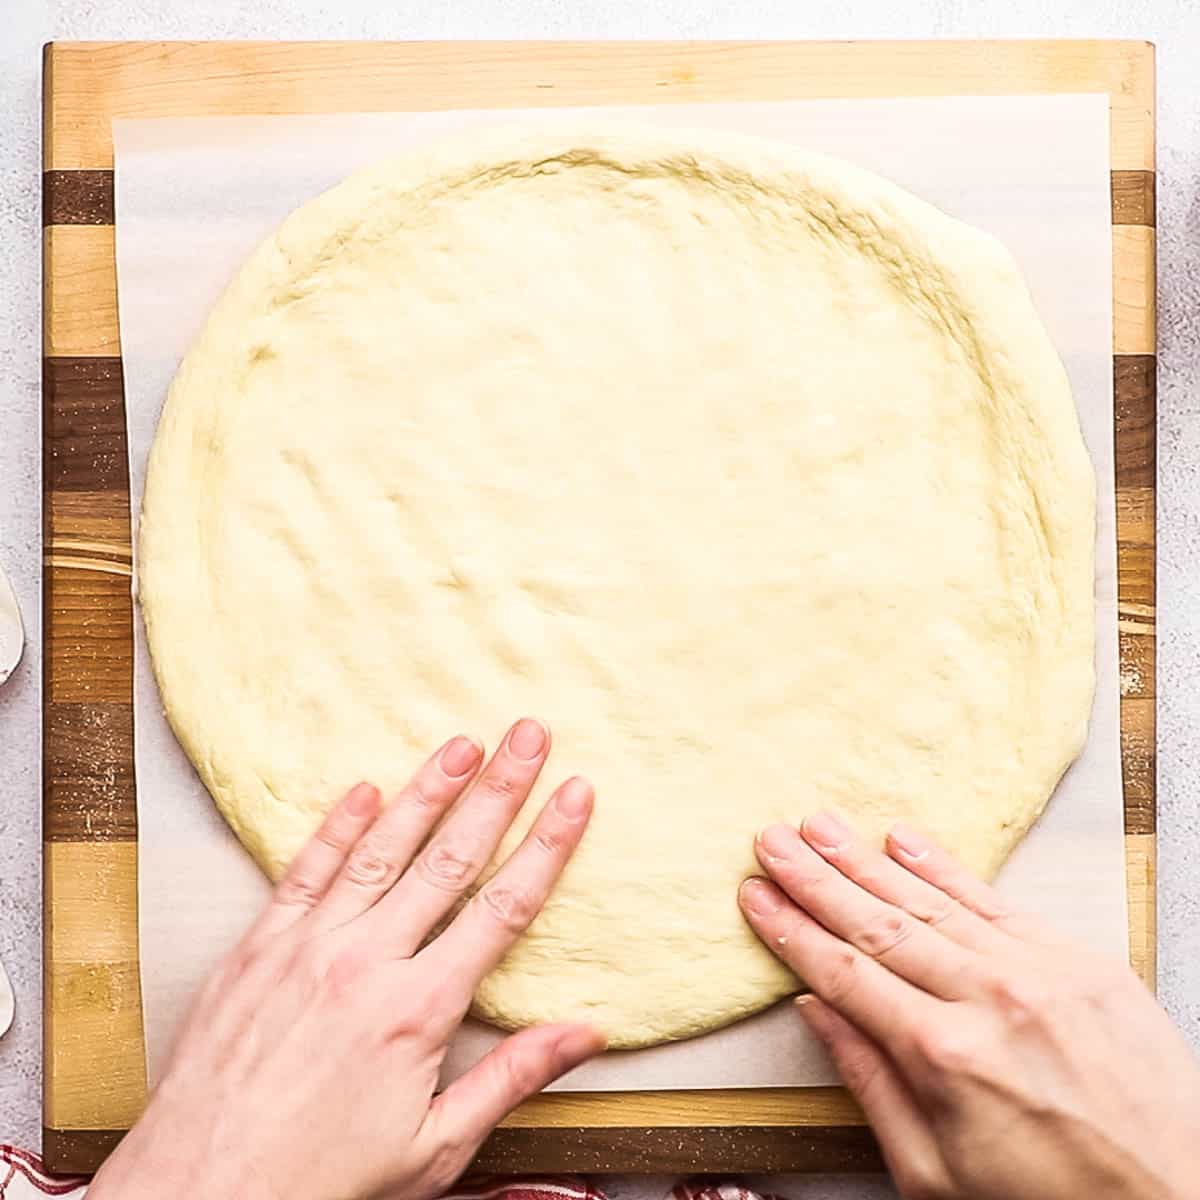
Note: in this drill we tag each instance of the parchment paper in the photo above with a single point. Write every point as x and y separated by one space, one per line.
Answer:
195 196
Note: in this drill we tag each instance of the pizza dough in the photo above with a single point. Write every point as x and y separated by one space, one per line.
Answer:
753 475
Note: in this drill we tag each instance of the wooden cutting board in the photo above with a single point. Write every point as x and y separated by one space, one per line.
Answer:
94 1070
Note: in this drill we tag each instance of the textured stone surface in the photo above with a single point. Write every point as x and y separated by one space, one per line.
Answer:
1173 24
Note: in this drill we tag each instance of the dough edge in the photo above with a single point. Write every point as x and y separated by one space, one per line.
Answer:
978 269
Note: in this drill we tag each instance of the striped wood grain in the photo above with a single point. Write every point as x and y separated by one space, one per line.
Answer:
94 1073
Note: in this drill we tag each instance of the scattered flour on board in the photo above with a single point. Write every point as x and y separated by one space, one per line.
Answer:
1131 679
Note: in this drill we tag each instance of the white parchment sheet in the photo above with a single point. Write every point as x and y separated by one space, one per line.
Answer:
195 196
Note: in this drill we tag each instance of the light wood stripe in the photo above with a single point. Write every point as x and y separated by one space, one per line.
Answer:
1134 275
728 1107
88 564
81 309
90 84
1140 872
79 312
92 973
103 549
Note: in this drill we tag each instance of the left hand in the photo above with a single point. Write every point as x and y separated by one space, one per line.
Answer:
308 1064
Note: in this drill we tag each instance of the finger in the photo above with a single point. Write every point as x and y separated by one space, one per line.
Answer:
883 932
920 854
904 1134
484 931
879 1002
882 876
312 871
453 858
475 1103
385 850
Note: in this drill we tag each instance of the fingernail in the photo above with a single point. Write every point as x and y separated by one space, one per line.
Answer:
760 897
527 739
813 1015
825 831
361 799
779 841
459 756
574 798
911 843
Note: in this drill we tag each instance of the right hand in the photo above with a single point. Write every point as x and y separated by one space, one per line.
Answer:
992 1060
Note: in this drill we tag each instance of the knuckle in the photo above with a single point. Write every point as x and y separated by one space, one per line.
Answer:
345 970
416 1016
948 1051
1020 1001
511 907
885 933
521 1074
858 1070
298 889
331 834
922 1182
447 866
549 840
421 797
842 975
446 1164
500 785
934 912
367 867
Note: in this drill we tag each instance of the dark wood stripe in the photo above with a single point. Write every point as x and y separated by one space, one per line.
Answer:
88 781
77 198
681 1150
672 1150
86 198
1135 575
1135 406
85 423
84 447
1138 759
78 1151
89 632
1133 197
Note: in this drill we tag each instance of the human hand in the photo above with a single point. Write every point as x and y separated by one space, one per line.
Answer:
991 1059
308 1064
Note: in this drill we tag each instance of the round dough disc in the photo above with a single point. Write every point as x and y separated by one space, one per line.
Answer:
755 476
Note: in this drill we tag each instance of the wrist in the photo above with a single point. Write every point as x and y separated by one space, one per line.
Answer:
153 1161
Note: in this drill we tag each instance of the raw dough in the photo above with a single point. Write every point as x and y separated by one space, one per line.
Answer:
754 475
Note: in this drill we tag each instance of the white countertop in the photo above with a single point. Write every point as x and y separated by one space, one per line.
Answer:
1173 24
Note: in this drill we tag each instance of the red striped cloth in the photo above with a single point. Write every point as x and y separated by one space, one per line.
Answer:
23 1177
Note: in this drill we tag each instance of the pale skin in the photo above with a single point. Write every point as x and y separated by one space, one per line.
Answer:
991 1059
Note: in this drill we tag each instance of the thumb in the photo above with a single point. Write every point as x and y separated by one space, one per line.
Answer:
475 1103
904 1134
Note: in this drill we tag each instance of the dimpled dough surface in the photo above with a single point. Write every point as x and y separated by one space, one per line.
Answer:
754 475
